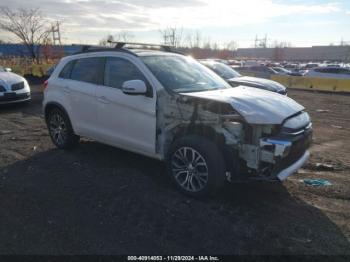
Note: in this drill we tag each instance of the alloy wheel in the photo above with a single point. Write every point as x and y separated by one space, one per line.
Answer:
189 169
58 128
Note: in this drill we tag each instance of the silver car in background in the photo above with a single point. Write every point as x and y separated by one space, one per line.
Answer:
235 79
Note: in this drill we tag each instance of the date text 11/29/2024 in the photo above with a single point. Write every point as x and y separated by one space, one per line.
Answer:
173 258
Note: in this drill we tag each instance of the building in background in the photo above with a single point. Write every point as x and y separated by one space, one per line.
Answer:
58 51
314 53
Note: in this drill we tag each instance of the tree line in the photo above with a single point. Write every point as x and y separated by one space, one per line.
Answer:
33 29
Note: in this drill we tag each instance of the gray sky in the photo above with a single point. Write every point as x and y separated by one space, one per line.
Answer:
303 23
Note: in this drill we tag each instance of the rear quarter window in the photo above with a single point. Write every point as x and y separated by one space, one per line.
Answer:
66 71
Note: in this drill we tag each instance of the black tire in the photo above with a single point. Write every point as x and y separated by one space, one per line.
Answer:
57 117
212 157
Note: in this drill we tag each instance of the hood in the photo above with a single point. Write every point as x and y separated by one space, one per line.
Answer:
257 106
9 78
258 83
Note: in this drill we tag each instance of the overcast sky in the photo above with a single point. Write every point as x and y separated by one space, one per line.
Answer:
301 22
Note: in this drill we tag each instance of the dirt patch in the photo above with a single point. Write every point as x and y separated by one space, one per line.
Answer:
98 199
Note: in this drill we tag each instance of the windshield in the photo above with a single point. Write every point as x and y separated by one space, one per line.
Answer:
225 71
183 74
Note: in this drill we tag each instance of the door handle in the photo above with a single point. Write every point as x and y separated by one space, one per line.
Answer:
103 100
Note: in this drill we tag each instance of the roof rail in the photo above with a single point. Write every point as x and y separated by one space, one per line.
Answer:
119 46
166 48
92 48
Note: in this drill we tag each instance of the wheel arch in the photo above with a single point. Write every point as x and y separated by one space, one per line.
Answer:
201 130
208 132
52 105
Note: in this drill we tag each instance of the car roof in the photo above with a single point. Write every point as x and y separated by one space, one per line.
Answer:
209 61
148 52
109 51
135 49
329 67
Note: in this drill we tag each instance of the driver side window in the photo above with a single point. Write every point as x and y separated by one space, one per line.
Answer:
118 70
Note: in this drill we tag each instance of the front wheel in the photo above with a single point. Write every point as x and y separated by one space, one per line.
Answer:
196 165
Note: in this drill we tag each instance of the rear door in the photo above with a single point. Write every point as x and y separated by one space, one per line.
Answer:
127 121
86 75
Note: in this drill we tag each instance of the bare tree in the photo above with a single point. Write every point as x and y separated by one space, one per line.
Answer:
124 36
172 36
197 39
232 45
28 25
279 50
193 39
188 41
106 41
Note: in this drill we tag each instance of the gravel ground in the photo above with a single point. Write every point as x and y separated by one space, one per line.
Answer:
98 199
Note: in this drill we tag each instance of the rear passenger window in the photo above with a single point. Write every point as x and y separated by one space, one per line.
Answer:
118 70
65 73
88 70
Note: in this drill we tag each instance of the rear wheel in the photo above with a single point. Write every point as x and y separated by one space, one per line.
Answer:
60 129
196 165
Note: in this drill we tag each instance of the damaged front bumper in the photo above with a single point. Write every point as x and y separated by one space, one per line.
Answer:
276 158
286 155
283 174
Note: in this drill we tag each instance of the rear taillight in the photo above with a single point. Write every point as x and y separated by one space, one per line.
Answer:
45 84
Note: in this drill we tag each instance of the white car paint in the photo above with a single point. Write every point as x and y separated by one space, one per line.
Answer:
257 106
110 116
10 78
7 79
107 115
294 167
136 117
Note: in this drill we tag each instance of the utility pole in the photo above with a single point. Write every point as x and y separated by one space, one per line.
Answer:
256 41
260 42
170 37
56 35
265 42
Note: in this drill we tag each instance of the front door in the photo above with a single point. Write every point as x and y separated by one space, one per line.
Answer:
127 121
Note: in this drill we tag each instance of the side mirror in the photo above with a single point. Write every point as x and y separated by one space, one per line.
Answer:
7 69
134 87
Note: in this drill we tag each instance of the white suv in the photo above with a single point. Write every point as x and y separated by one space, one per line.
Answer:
168 106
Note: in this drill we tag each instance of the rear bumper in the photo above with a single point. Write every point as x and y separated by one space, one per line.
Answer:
283 174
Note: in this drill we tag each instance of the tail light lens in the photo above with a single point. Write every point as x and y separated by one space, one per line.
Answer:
45 84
